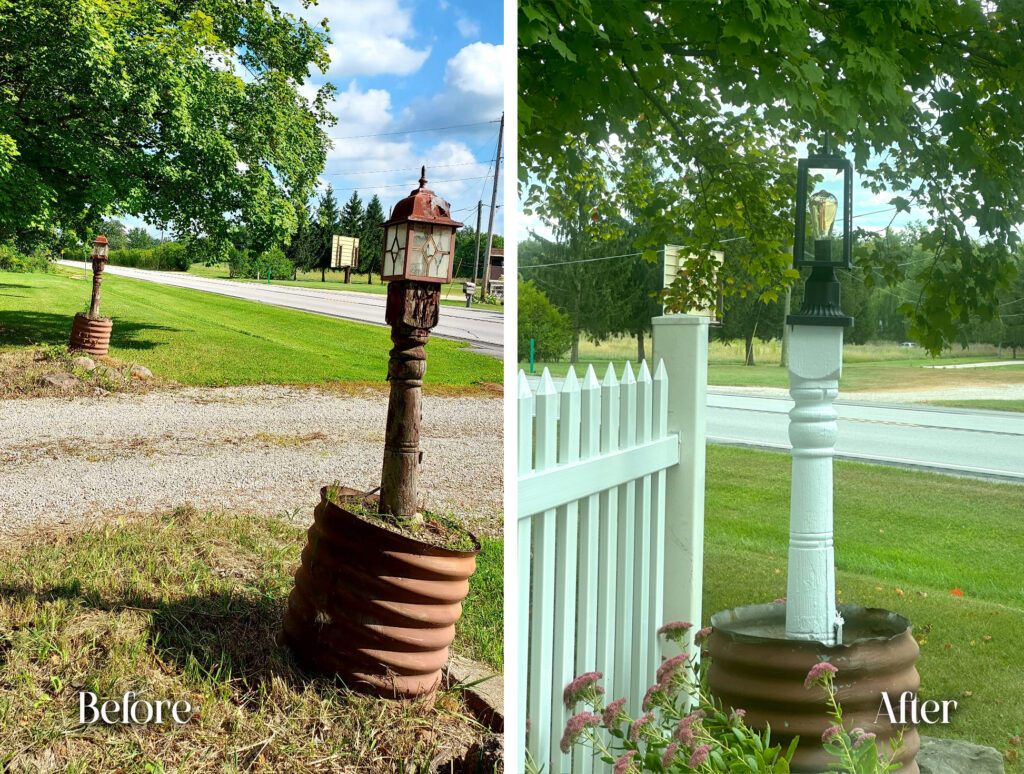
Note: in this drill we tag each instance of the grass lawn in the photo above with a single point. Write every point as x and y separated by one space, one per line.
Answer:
196 338
998 405
866 367
187 605
451 293
903 541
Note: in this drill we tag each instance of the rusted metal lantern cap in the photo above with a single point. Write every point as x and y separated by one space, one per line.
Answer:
419 238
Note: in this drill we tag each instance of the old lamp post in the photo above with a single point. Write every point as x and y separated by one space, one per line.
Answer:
419 242
100 248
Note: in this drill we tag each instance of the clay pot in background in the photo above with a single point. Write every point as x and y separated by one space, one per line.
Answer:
376 608
89 335
754 667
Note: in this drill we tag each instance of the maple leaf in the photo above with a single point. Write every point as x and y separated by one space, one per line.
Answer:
956 592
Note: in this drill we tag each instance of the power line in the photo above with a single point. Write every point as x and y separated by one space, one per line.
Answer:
407 169
412 131
582 260
406 185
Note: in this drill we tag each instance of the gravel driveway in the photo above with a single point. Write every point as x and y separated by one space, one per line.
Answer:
249 449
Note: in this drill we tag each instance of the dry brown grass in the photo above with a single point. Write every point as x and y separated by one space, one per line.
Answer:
187 606
23 367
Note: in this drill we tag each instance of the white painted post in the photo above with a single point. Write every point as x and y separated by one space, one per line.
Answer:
681 342
623 686
524 558
815 365
564 591
542 602
643 668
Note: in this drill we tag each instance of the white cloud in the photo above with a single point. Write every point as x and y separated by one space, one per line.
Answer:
467 27
373 39
473 89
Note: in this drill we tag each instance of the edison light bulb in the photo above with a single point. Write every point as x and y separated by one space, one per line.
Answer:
823 207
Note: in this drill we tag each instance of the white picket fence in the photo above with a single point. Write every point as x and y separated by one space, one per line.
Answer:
591 516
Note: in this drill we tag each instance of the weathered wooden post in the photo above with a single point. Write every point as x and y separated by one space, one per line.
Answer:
419 244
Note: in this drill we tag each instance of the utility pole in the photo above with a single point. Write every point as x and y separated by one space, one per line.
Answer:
476 260
490 218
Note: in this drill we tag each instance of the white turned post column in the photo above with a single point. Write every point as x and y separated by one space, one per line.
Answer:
815 364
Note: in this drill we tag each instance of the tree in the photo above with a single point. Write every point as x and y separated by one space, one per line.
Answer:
352 216
465 250
328 222
302 249
930 91
115 232
136 108
745 315
139 239
540 321
371 240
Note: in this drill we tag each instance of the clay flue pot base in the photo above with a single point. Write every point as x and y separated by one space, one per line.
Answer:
755 668
90 336
376 608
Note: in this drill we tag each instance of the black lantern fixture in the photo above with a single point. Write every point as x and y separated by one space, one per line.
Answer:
821 292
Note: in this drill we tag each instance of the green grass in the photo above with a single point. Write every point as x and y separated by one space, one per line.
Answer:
481 630
188 605
451 293
997 405
197 338
903 541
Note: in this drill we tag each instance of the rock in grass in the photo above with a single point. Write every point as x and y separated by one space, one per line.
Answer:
952 756
83 363
60 381
141 372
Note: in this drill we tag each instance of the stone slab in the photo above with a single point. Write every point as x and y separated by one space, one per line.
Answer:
953 756
484 690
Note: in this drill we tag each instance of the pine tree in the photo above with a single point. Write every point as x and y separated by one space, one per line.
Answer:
328 223
371 240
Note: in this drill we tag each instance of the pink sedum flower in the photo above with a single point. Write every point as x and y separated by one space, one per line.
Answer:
702 635
670 754
640 722
818 672
684 734
650 696
612 713
675 629
574 691
699 756
831 733
862 739
624 765
574 727
668 667
737 715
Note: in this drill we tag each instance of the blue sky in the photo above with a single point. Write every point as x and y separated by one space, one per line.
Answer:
400 65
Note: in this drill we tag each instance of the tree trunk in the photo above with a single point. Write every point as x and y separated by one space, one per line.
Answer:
749 359
640 357
323 274
574 353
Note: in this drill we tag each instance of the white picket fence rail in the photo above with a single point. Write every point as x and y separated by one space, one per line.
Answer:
592 461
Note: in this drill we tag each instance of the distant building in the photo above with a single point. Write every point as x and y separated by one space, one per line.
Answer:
497 263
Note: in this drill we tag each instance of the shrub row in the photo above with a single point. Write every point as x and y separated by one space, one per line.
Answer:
11 259
245 265
170 256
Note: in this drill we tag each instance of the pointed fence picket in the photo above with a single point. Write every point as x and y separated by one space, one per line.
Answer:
591 520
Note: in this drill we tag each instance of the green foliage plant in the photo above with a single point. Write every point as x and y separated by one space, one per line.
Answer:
682 729
541 321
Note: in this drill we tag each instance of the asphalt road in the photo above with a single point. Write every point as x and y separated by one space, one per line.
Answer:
965 441
970 442
484 330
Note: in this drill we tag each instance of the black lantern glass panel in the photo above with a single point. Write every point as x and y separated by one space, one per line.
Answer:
821 209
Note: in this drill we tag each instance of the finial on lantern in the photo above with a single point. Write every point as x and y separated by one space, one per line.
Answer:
423 176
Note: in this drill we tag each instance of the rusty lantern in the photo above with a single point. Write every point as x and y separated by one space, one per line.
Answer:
419 239
419 242
100 248
89 332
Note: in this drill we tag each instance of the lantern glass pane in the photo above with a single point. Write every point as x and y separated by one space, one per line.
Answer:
417 260
394 254
444 238
100 251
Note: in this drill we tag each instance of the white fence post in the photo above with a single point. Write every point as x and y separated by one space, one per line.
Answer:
681 342
524 557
